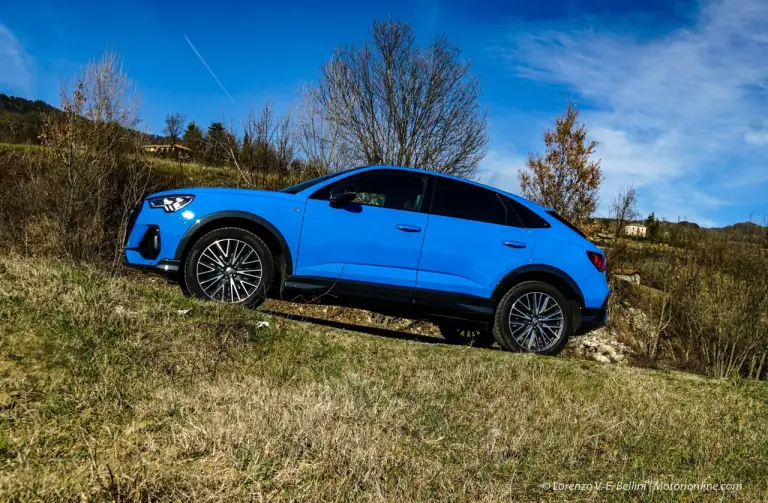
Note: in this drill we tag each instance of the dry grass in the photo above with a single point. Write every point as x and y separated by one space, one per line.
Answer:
110 393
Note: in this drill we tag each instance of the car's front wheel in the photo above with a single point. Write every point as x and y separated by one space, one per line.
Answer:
533 317
230 265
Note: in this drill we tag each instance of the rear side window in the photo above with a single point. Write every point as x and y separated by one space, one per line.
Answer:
567 223
527 217
469 202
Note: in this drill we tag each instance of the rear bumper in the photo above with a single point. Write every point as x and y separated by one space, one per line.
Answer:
592 319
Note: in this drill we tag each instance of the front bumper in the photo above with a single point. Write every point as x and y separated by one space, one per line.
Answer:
167 268
153 238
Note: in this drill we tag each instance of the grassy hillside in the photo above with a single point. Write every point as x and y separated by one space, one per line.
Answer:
109 392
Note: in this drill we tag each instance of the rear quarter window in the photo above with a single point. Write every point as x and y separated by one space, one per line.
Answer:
525 215
567 223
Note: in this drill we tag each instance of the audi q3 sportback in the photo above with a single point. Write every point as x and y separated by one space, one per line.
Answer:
482 264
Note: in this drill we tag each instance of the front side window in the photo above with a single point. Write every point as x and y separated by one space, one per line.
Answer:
458 199
397 190
295 189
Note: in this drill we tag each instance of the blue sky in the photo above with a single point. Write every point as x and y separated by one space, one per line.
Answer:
675 92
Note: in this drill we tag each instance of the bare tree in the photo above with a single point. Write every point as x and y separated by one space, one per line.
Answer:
624 208
566 178
269 144
285 144
174 125
236 152
317 139
95 173
265 131
393 102
249 136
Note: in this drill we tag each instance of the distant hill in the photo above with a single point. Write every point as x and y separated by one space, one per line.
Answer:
21 120
23 106
748 232
747 227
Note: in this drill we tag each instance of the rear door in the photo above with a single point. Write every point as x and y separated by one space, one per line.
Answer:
473 240
375 239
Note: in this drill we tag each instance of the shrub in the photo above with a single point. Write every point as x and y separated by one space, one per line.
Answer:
708 302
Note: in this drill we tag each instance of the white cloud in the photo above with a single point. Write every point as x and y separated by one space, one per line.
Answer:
674 114
499 169
757 137
14 62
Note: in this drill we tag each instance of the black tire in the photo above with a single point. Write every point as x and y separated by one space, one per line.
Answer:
265 261
502 330
476 337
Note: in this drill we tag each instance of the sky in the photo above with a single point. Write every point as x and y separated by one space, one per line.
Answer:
675 93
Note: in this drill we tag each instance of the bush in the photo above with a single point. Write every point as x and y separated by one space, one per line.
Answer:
37 221
708 302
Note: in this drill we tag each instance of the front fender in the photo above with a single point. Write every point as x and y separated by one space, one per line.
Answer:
209 221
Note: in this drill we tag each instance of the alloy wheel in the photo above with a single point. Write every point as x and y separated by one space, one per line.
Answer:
229 270
536 321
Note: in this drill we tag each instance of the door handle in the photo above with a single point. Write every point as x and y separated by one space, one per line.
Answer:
514 244
408 228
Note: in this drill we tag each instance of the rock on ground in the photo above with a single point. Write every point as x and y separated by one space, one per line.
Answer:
601 346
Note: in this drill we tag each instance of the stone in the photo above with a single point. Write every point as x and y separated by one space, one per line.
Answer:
601 358
606 349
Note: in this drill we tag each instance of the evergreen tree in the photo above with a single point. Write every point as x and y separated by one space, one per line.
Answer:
216 142
652 227
193 139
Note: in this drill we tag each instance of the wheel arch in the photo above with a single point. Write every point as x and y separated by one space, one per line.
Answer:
540 272
272 237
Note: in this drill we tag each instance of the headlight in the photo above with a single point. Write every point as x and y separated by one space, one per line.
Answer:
170 203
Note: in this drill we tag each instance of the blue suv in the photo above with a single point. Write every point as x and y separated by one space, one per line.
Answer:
482 264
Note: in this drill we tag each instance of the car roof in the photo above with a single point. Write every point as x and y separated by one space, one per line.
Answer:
515 197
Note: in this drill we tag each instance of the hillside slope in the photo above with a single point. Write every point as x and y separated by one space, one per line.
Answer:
109 391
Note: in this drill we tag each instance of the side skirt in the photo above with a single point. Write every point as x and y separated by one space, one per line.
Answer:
431 305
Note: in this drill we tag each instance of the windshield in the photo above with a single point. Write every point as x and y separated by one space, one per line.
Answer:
295 189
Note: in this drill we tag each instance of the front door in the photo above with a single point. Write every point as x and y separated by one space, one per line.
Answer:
374 239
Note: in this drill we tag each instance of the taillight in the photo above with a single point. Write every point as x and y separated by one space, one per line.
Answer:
597 259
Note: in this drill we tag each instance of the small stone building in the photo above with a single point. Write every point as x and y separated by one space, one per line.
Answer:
637 230
171 151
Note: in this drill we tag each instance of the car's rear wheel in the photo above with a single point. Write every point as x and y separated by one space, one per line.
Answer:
229 265
477 337
533 317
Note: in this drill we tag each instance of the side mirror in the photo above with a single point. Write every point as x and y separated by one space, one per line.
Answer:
342 194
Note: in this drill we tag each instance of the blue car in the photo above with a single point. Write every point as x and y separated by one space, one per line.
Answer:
484 265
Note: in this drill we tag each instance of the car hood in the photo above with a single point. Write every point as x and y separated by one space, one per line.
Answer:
225 192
